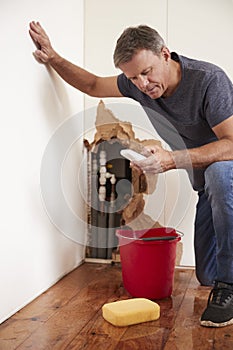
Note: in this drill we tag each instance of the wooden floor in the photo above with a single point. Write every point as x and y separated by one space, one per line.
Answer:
68 316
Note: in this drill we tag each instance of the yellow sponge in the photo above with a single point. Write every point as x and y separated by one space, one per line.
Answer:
130 311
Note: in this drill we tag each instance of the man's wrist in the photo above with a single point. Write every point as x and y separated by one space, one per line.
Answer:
181 159
54 58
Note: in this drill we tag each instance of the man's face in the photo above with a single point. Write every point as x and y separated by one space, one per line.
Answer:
149 72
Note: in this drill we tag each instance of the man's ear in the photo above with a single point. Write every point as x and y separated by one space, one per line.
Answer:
166 53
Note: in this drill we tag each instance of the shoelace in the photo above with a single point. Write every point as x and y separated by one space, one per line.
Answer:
220 295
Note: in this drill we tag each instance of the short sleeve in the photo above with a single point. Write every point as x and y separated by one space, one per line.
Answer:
123 85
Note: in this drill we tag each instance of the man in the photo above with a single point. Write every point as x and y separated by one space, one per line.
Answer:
196 99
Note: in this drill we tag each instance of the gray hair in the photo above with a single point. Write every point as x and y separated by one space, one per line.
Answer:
136 38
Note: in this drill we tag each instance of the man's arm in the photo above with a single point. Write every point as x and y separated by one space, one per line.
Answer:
76 76
162 160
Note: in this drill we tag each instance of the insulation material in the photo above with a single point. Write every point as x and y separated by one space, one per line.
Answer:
135 218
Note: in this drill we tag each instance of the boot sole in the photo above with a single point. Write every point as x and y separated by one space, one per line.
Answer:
206 323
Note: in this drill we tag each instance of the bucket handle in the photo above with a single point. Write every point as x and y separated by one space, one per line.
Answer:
163 238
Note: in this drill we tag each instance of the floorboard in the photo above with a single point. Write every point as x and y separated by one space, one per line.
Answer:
68 316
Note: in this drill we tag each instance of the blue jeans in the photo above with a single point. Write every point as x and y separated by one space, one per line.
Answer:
213 240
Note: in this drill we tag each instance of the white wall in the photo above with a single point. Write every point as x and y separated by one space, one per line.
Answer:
201 29
34 102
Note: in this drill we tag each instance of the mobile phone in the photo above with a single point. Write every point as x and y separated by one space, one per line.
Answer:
132 155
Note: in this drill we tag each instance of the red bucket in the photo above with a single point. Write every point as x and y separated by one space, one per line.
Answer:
148 261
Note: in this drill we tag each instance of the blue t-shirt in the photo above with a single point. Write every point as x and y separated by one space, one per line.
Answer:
203 99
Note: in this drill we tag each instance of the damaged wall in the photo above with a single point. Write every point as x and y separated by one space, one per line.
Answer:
109 131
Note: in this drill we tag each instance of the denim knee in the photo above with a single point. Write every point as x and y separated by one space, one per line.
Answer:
218 178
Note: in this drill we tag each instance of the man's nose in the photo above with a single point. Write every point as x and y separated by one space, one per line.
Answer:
142 81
